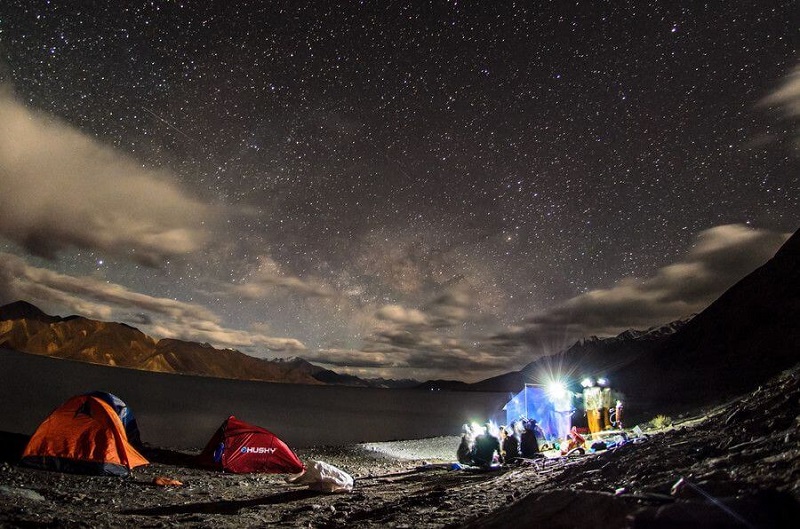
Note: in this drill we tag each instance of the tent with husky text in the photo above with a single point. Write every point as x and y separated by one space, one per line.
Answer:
84 435
239 447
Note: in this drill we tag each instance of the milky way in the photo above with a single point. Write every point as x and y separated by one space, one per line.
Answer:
406 189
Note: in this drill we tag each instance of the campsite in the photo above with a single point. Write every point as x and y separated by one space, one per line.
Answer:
388 458
370 264
732 465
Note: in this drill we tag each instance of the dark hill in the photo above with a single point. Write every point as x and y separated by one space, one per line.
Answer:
589 357
326 376
749 334
23 310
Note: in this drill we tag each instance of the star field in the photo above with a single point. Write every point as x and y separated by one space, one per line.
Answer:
397 184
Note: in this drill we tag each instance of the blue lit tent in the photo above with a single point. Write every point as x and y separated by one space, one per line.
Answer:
534 403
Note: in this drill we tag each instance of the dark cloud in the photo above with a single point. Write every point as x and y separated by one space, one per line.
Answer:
141 318
423 360
452 308
445 335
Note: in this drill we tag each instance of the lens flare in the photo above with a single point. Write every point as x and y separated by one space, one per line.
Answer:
555 389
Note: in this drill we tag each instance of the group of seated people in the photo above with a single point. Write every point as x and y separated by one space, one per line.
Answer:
480 446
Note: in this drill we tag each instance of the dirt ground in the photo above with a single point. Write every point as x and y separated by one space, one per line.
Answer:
736 466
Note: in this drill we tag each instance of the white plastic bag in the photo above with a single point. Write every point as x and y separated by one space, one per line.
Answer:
323 477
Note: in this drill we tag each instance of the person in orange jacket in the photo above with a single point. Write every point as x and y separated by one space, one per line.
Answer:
576 440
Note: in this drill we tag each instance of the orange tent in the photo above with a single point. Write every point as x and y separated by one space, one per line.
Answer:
84 435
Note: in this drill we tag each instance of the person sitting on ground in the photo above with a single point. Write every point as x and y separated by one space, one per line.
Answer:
510 446
528 445
486 446
575 441
466 447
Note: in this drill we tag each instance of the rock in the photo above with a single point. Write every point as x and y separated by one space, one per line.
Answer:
557 510
18 492
704 489
767 509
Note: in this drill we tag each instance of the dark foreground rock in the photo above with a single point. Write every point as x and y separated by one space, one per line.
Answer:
737 466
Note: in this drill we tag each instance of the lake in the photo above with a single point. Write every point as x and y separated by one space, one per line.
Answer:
183 411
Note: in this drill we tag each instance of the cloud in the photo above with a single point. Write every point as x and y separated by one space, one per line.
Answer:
409 304
425 306
720 257
787 99
160 317
410 262
60 187
267 277
787 96
443 338
353 359
401 315
451 308
445 361
213 333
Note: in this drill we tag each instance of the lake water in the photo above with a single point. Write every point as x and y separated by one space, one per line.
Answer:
181 411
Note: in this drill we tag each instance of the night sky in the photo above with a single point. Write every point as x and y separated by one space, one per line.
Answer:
400 189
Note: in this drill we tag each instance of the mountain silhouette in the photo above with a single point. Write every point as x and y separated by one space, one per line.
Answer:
746 336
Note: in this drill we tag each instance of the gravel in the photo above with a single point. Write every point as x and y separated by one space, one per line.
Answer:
434 449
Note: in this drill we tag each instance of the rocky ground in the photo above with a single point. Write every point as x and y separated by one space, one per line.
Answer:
737 465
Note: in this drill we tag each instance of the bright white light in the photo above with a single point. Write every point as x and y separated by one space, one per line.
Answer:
587 382
555 389
602 381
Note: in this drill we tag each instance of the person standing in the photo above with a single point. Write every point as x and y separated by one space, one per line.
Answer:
561 400
592 403
606 403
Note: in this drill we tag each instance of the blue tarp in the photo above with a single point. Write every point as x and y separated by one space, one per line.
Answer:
534 403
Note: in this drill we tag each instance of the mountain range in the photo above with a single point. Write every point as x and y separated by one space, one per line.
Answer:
591 356
24 327
746 336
